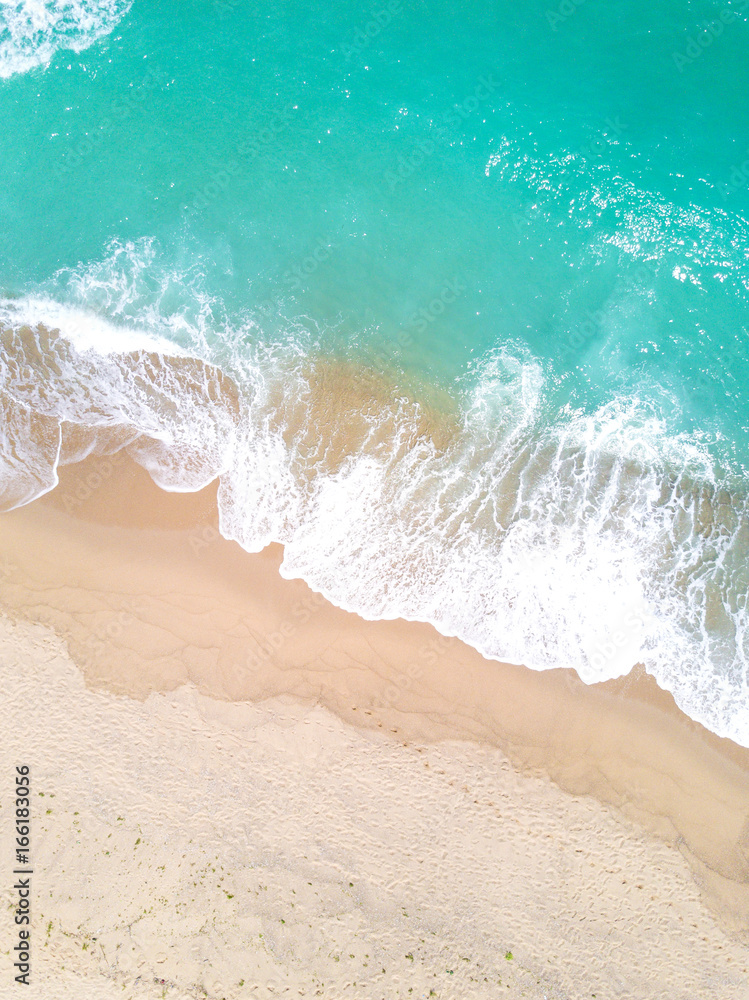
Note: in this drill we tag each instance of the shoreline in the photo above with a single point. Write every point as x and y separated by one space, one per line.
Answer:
186 847
167 601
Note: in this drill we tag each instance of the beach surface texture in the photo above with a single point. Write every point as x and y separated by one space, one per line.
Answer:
325 816
374 499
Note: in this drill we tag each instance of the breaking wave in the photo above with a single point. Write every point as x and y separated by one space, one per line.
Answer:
539 535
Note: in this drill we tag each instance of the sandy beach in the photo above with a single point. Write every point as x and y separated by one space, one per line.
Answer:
374 501
259 794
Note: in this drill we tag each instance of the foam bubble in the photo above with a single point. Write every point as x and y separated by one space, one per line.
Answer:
159 405
550 538
31 31
84 329
592 541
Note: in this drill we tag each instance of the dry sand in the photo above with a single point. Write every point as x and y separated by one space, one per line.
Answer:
285 742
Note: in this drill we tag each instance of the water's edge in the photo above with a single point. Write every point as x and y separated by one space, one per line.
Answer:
591 543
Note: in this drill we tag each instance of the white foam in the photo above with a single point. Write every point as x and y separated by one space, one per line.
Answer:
550 546
126 388
32 31
83 328
591 541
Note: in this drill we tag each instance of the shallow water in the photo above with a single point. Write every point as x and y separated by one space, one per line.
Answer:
471 285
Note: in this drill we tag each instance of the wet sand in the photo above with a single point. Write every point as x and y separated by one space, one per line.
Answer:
151 602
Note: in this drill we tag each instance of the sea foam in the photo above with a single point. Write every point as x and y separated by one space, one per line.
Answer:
32 31
554 538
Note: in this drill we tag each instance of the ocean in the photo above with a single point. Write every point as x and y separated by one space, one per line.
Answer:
451 297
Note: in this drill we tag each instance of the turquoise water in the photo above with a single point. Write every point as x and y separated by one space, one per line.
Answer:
479 273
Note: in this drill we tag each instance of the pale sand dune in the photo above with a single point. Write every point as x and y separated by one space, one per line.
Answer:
149 598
